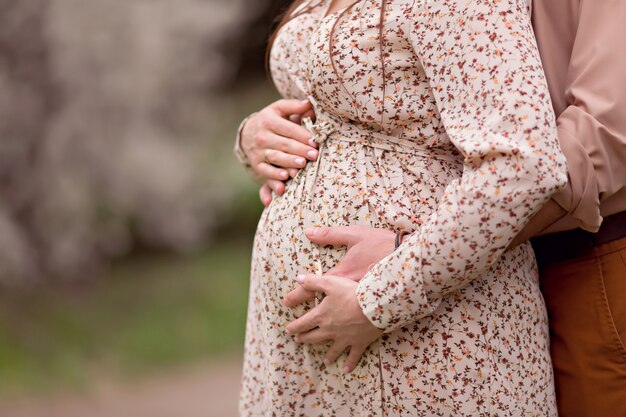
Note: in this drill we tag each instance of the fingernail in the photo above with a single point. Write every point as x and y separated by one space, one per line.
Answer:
305 101
297 338
311 231
312 154
312 143
300 161
326 362
284 174
345 369
300 278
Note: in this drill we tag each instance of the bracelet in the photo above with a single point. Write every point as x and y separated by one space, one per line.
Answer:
399 237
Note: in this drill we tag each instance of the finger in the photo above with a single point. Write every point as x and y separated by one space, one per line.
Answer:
335 236
315 283
296 118
271 172
298 296
277 186
305 323
290 130
310 114
293 172
353 358
343 270
284 160
334 352
265 194
289 107
291 146
314 337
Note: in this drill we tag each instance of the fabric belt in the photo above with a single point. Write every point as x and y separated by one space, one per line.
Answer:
575 244
327 128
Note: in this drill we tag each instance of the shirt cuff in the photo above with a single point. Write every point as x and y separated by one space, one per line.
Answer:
241 155
238 150
580 198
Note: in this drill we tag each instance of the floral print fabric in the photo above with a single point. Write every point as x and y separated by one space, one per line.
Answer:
458 146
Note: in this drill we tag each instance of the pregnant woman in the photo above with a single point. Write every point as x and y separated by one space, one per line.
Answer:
432 119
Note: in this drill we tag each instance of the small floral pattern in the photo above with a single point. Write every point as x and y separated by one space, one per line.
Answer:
457 146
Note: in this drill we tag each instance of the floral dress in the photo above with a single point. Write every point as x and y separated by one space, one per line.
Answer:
447 132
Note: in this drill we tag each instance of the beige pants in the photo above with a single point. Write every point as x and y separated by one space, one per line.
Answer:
586 300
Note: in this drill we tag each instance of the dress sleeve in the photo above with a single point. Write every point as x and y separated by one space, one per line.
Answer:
592 129
481 59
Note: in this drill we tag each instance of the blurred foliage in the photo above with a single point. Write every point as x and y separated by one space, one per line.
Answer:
242 212
107 110
148 312
151 310
131 157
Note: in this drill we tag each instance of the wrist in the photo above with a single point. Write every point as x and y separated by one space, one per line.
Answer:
238 149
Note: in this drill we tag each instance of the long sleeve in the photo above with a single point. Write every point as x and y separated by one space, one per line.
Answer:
484 70
590 100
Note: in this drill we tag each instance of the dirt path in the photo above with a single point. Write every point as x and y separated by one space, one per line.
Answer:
208 390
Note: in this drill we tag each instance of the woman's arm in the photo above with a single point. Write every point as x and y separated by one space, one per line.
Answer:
485 73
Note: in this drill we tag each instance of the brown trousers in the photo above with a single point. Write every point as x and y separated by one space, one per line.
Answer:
586 301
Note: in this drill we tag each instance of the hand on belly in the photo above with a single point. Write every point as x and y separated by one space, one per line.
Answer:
366 247
338 318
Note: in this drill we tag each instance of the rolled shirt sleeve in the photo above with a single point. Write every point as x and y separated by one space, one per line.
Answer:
484 70
241 155
592 128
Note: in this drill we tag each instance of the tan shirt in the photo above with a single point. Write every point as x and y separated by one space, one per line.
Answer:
583 49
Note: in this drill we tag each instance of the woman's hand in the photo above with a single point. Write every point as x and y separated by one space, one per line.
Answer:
275 143
366 246
338 318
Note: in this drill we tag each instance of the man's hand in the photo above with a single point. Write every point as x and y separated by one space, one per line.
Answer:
338 318
278 186
366 246
275 143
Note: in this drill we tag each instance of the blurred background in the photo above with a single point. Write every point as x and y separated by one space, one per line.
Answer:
126 223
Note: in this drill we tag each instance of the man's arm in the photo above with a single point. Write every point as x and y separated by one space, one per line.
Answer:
547 216
592 129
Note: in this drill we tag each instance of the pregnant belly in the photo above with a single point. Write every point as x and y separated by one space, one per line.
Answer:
352 184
